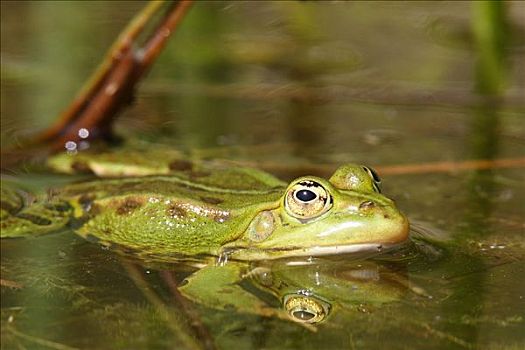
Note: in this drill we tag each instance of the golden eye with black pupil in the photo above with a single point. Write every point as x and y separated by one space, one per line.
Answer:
307 199
376 180
305 309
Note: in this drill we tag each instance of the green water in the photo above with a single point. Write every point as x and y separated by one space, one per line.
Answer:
292 87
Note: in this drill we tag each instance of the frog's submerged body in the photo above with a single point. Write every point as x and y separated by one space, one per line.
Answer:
246 213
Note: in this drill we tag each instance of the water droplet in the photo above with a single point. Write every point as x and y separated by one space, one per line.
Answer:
305 292
222 260
70 145
83 133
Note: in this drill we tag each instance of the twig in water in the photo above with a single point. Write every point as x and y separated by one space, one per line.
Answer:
109 89
200 329
175 320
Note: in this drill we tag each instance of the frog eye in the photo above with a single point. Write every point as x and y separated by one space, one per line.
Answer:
305 309
307 199
376 180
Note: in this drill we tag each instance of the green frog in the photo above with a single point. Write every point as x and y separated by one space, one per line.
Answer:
213 209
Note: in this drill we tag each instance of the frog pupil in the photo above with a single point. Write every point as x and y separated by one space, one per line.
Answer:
305 195
303 315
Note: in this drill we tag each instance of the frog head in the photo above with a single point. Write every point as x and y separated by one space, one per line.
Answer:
317 217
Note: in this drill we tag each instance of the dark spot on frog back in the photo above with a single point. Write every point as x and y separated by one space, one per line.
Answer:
211 200
81 167
188 168
175 211
198 174
59 207
181 165
10 207
93 210
86 201
181 211
220 216
128 206
35 219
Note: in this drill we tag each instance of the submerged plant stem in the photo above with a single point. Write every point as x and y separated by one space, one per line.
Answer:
202 332
175 320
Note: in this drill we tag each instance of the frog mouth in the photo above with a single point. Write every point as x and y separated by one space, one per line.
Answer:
249 253
341 249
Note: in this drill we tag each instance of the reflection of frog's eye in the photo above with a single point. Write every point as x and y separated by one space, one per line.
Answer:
305 309
376 180
307 199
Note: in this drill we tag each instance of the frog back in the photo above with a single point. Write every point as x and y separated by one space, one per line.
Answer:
184 213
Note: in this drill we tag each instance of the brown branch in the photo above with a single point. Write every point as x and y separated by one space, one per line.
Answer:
111 86
101 110
447 167
293 170
94 84
159 38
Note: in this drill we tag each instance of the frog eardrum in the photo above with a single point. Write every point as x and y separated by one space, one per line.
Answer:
307 199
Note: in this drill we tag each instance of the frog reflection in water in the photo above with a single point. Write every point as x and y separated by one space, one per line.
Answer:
244 213
307 294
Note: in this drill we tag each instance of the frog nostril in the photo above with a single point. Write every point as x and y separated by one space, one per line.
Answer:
366 205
